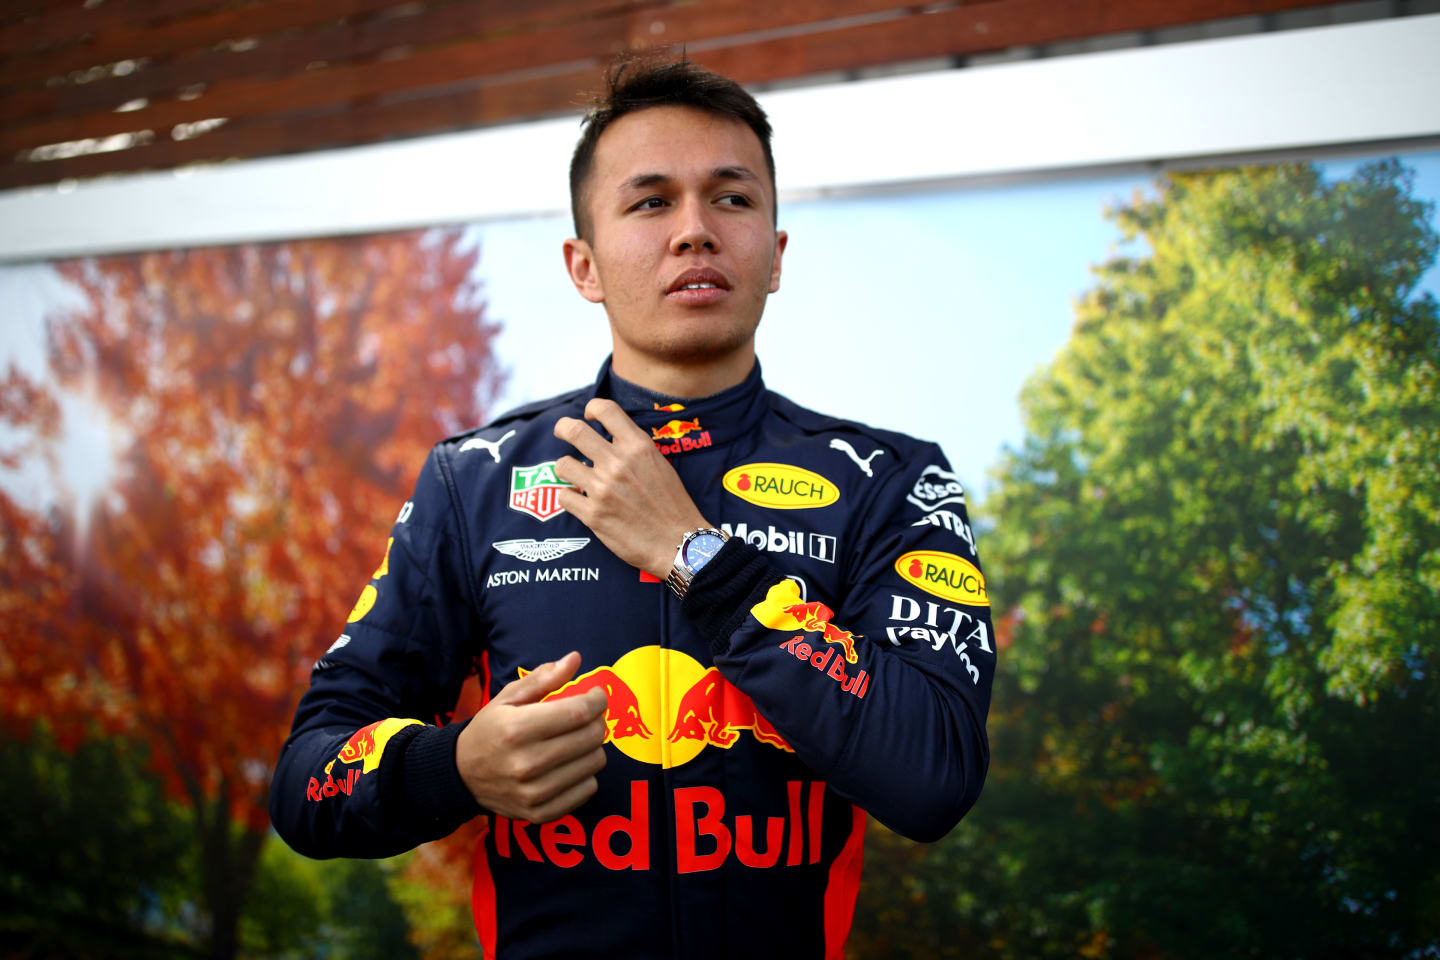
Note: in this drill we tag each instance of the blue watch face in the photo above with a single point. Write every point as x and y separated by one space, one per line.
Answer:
701 550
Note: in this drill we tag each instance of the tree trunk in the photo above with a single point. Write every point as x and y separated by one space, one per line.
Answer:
229 852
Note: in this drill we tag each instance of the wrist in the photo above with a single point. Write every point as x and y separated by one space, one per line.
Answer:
662 559
697 547
663 555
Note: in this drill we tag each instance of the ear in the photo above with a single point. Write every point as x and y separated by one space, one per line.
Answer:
580 264
781 237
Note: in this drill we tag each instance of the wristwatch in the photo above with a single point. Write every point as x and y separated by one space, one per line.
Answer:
697 548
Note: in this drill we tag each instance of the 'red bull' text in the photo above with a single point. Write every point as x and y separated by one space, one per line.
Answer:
684 444
819 659
317 791
704 838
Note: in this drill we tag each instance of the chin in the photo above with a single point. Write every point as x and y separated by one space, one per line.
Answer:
705 345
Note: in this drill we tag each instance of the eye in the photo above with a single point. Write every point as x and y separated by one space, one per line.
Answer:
735 199
649 203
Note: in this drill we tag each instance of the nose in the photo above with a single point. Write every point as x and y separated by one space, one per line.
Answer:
693 232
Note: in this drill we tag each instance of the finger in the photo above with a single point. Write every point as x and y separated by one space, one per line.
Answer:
567 802
582 437
576 503
614 419
537 722
570 470
535 767
574 785
544 679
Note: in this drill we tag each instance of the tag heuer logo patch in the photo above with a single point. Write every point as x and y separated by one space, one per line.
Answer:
533 490
532 551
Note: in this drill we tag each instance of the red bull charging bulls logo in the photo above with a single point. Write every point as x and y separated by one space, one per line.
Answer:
364 747
665 708
674 436
782 609
674 429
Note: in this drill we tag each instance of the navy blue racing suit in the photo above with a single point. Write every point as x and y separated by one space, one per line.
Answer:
835 658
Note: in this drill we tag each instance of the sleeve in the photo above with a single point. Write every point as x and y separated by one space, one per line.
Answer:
369 768
886 698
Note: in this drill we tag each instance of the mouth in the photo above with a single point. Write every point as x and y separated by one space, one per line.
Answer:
699 281
700 287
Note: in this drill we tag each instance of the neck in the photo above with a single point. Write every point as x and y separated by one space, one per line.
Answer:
678 378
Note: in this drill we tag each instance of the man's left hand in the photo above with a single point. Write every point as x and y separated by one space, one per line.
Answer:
632 499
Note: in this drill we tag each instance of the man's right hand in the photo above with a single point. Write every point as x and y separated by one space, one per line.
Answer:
530 760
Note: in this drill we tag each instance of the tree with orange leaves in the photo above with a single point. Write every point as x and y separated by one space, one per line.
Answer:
268 407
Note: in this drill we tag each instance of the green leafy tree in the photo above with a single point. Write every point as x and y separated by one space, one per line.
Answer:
302 909
93 861
1219 558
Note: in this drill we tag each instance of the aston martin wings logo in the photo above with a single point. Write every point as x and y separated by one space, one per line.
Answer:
540 550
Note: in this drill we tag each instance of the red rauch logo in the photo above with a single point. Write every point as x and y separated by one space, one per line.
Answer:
780 486
944 575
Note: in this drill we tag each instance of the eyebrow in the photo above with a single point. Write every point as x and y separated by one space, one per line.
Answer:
642 181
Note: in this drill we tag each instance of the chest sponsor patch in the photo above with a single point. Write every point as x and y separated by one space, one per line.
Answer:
664 707
534 490
542 551
780 486
799 542
944 575
508 578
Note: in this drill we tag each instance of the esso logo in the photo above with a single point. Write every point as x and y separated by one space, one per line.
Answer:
935 488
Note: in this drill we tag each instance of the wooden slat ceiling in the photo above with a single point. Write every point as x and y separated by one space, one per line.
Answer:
93 87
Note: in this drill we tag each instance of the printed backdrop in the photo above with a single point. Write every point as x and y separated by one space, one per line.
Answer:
1198 417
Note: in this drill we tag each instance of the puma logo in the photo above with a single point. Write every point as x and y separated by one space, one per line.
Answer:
849 451
491 447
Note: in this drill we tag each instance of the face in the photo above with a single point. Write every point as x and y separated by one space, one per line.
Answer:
683 249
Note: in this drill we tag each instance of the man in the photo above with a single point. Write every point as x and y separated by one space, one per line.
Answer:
714 628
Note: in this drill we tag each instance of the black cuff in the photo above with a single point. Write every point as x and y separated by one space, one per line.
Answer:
722 593
423 784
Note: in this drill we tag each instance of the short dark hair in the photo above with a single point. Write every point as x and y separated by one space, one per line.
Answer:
641 81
